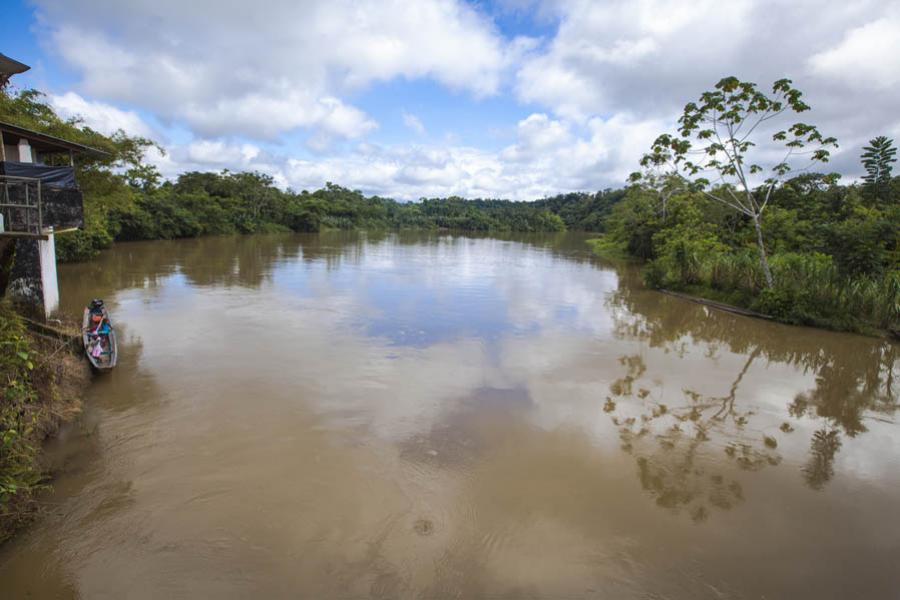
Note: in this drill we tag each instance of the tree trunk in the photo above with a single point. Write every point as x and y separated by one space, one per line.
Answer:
763 259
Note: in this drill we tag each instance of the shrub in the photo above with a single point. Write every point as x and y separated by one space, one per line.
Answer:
654 275
85 243
18 473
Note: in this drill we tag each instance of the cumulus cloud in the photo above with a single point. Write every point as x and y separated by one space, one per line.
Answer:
243 70
546 158
868 55
537 134
637 55
99 116
265 116
221 154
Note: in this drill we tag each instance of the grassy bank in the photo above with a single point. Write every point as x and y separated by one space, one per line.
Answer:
808 289
42 384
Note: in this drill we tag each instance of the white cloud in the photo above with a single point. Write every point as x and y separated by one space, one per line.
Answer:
99 116
414 123
546 158
537 134
264 117
263 72
647 58
615 55
868 55
219 153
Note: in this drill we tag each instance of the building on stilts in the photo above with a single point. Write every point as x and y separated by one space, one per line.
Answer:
39 199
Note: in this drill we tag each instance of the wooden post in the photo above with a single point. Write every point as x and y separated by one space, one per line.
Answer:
71 158
2 148
40 209
27 210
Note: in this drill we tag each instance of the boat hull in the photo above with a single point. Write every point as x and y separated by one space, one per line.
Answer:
108 359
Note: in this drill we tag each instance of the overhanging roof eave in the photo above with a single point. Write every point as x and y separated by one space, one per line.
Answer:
11 66
50 140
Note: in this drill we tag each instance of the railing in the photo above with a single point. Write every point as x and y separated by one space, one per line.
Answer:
21 207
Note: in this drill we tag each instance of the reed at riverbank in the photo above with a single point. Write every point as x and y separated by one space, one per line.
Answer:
808 289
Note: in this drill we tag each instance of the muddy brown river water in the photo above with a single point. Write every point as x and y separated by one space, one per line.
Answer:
431 416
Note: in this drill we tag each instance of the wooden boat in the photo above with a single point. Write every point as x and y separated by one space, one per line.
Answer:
107 358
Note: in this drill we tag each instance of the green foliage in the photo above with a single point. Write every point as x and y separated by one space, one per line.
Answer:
654 275
19 476
833 253
583 212
877 158
105 189
715 138
635 221
610 249
825 254
85 243
686 249
860 243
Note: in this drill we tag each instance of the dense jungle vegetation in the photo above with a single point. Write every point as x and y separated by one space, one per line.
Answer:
792 243
796 244
833 251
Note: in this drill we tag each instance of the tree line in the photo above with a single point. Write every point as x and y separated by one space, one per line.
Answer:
126 199
714 210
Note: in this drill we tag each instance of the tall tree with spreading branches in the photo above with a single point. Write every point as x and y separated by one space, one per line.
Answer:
715 150
877 158
660 181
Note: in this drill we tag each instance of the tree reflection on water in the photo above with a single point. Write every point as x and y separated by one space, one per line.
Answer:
679 448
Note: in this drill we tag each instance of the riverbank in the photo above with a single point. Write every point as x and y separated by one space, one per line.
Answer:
857 306
43 383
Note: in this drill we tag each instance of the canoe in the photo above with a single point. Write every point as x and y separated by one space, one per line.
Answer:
107 358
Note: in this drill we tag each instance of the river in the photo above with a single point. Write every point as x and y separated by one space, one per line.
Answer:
418 415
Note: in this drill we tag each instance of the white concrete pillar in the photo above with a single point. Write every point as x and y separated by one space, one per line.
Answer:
49 283
33 274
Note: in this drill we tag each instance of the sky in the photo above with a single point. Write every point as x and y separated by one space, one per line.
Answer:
517 99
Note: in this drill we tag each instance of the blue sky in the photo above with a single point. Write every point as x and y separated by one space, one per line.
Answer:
516 98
